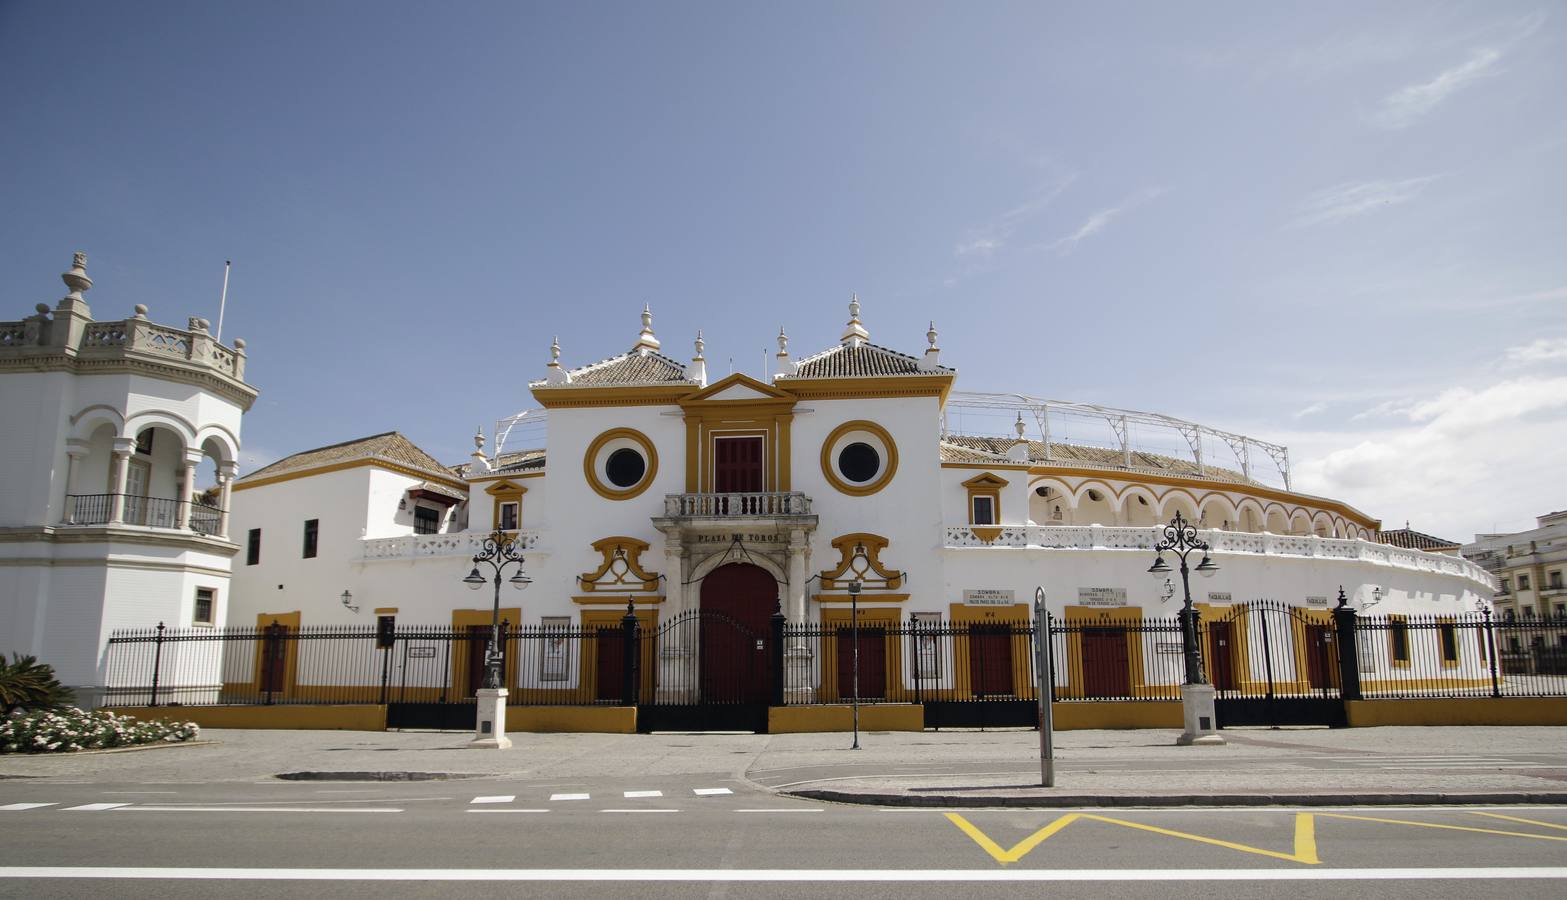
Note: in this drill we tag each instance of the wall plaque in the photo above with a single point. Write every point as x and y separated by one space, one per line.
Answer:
987 597
1101 596
1316 601
1219 598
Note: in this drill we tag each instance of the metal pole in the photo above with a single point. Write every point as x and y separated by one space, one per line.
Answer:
1188 628
1490 639
157 661
1047 752
854 627
223 300
492 676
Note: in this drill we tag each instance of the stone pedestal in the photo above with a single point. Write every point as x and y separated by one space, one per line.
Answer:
1202 726
798 668
489 732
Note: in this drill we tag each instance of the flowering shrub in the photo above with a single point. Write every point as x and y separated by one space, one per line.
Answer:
44 731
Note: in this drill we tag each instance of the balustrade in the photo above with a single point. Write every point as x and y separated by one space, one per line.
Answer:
462 543
767 503
149 512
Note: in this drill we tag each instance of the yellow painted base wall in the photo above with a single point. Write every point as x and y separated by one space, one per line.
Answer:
1466 711
878 717
327 718
579 719
1131 714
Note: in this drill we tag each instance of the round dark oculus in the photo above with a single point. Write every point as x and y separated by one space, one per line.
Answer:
625 467
859 462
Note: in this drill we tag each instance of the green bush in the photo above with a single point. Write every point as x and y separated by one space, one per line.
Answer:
25 683
44 731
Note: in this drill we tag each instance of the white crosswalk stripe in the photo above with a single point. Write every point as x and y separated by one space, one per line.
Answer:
710 792
18 807
554 797
633 794
94 807
498 798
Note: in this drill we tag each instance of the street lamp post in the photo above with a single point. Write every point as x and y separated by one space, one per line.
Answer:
854 662
499 551
1197 695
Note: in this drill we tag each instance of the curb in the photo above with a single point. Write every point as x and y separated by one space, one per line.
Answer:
1057 801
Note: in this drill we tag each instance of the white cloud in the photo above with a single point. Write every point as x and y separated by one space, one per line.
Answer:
1348 200
991 238
1101 220
1408 104
1311 410
1460 461
1542 350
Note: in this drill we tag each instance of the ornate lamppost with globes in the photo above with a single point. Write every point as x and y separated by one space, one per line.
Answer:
499 551
1197 695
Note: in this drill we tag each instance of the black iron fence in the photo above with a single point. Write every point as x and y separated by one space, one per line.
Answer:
1251 651
156 512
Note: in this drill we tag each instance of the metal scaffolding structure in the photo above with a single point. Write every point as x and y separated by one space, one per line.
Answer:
524 431
1121 424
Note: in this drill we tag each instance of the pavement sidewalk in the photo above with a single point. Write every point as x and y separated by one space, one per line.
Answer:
948 768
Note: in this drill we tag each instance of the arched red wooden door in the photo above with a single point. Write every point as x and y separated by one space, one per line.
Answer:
733 656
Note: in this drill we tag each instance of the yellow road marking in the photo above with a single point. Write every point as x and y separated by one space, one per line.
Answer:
1305 838
1523 834
1525 821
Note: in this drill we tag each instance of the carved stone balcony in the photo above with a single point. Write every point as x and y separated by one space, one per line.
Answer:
764 504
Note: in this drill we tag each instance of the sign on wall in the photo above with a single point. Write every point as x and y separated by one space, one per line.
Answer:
1101 596
1316 601
421 653
1219 598
987 597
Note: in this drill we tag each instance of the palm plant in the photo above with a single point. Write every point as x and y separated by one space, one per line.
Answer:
26 683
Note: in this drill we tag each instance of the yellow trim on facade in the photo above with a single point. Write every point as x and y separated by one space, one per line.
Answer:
289 620
820 718
463 619
866 600
622 549
410 471
555 397
618 600
836 618
986 485
876 386
873 544
480 479
610 492
767 416
889 465
998 464
386 610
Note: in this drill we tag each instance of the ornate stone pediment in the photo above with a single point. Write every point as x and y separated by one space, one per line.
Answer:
860 557
621 569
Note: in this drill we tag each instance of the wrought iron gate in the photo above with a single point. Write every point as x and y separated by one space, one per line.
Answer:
705 671
1274 664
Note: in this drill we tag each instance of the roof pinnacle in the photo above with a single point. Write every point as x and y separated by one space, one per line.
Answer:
646 342
854 333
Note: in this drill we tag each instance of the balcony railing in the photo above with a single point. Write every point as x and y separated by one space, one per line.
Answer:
1105 537
718 506
462 543
150 512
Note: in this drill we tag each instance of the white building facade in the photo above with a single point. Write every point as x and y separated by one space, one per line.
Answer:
112 427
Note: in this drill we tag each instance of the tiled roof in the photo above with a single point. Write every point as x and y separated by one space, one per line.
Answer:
1414 540
440 489
957 453
1101 457
515 461
864 360
626 369
390 446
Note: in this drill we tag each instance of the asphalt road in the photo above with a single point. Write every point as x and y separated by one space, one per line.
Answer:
718 836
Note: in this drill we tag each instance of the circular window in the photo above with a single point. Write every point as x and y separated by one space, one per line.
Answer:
625 467
859 462
620 463
859 458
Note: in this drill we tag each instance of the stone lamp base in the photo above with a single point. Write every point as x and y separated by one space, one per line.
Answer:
489 732
1202 725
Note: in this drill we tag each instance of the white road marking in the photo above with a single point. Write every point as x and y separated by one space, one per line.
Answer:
1470 766
638 810
779 810
94 807
710 792
342 791
18 807
507 810
633 794
140 792
259 809
788 875
498 798
554 797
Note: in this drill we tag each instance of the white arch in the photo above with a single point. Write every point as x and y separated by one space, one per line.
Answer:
1137 489
1063 490
701 570
1168 504
224 438
174 422
90 418
1229 512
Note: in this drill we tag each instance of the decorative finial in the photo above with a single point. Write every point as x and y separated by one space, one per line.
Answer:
481 463
77 279
854 334
1019 427
701 345
646 342
141 310
783 342
786 366
697 370
478 439
555 352
930 336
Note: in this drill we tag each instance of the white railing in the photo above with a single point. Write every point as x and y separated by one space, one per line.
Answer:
462 543
772 503
1106 537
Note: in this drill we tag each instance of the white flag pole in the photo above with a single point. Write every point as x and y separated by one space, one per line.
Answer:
223 300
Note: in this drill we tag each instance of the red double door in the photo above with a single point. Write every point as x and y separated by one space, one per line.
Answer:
737 465
737 607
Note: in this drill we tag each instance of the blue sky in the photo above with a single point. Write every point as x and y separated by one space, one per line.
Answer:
1338 227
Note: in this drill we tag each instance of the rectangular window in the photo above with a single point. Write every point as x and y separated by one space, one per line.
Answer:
253 547
385 632
507 521
1561 610
1447 632
201 614
555 660
1398 639
312 532
984 511
1556 581
1507 585
427 520
1523 582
